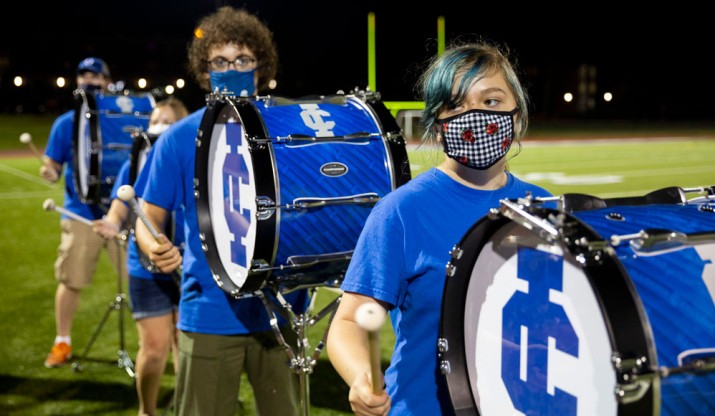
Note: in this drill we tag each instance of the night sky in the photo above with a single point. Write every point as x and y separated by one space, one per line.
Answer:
655 62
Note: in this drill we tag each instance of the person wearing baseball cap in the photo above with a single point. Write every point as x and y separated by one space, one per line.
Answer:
80 248
95 65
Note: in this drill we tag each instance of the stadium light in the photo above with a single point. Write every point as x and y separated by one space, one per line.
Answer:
18 81
568 97
60 82
607 97
180 83
141 83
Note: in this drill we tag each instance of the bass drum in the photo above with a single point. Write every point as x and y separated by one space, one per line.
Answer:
284 186
103 128
606 311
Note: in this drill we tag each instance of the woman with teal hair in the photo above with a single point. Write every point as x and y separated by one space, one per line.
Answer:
476 108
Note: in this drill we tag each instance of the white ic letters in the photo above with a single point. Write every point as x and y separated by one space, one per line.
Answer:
312 116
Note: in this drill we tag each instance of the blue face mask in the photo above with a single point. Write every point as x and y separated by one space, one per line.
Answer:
91 88
237 83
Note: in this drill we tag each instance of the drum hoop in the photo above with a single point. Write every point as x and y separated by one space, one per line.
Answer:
394 141
141 141
617 297
86 106
266 246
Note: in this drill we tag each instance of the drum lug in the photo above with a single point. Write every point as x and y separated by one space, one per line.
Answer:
443 346
456 252
634 378
265 207
259 265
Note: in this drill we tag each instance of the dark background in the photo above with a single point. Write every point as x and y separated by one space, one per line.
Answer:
655 61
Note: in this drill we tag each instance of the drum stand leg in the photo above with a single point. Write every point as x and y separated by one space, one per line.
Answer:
300 362
119 303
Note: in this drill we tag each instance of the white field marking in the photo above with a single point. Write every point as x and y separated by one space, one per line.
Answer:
23 195
25 176
559 178
574 142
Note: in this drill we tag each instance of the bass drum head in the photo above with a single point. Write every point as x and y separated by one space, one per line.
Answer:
522 330
86 162
225 184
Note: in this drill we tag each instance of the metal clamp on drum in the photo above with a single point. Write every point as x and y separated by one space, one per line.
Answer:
284 186
603 311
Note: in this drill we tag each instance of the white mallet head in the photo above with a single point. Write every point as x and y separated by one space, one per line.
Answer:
125 192
49 204
25 138
370 316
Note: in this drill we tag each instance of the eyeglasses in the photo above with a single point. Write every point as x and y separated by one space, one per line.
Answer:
242 63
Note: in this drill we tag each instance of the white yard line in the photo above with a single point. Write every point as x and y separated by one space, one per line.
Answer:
25 176
23 195
30 178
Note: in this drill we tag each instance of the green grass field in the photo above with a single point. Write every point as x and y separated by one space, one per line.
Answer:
605 168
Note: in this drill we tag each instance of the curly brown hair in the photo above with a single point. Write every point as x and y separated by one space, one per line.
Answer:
230 25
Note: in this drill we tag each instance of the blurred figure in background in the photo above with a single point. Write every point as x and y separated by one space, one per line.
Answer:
153 296
80 248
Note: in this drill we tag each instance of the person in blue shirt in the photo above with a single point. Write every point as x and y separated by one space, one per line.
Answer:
80 248
153 297
220 336
476 108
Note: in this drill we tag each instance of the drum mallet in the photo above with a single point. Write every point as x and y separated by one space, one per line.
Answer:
49 205
370 317
126 194
26 138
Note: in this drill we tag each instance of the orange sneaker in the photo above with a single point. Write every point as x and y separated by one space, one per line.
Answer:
60 355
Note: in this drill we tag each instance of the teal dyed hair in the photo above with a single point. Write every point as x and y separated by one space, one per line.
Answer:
471 62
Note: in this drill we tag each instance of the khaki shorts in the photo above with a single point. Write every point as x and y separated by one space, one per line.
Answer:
79 251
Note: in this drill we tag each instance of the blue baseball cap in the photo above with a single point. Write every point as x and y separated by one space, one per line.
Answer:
95 65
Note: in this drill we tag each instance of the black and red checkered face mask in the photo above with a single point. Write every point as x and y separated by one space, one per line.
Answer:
478 138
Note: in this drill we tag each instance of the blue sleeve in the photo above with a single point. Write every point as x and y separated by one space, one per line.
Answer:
153 184
377 268
121 179
59 143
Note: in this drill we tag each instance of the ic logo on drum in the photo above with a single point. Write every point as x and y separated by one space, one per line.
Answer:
233 200
531 321
125 104
312 116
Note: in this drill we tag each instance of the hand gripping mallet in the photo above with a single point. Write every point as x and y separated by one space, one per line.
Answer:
370 317
126 194
26 138
49 205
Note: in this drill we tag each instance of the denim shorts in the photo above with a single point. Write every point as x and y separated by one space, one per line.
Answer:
152 297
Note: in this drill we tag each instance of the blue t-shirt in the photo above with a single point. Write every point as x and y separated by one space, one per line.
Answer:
167 180
60 148
135 268
400 259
